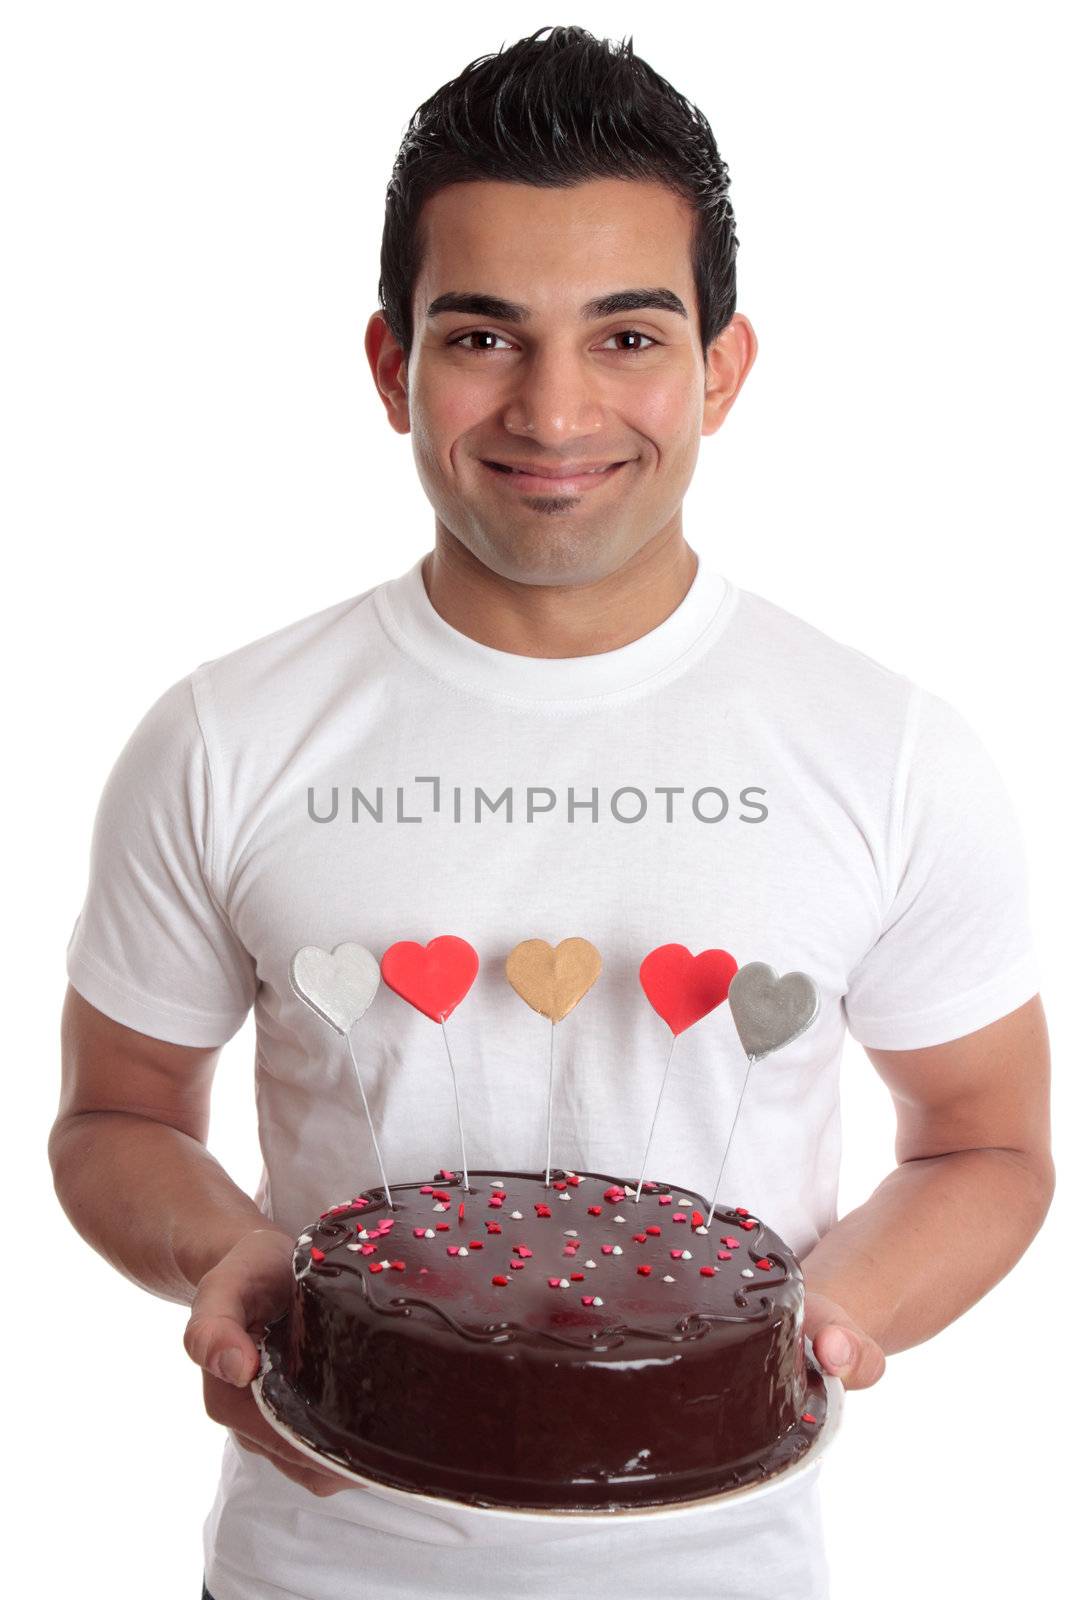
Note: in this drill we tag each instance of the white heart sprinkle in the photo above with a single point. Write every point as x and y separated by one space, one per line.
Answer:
362 1234
564 1195
667 1278
590 1263
700 1230
685 1202
463 1250
564 1283
616 1249
386 1263
305 1238
626 1186
353 1247
597 1300
442 1205
497 1183
517 1215
618 1219
687 1255
747 1272
570 1233
429 1234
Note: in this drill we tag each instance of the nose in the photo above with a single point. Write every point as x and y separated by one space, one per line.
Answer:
554 400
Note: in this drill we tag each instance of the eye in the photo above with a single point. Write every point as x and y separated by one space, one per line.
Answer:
478 333
633 333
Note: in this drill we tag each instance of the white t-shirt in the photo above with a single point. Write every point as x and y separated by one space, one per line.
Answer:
733 779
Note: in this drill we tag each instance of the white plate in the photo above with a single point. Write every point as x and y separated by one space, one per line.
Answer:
761 1489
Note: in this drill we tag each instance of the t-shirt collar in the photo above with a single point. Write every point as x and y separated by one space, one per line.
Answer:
409 618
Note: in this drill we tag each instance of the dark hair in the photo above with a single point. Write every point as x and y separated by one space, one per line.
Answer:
555 112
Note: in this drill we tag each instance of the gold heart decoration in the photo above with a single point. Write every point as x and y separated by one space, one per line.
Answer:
552 981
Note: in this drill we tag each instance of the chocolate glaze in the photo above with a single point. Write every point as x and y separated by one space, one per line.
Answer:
432 1378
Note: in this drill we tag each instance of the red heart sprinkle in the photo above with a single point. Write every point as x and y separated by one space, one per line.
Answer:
453 1249
644 1271
577 1277
492 1227
696 1219
433 978
442 1227
765 1264
317 1255
748 1226
376 1266
587 1299
554 1283
420 1233
708 1272
606 1249
398 1266
639 1238
500 1281
543 1211
808 1417
654 1229
740 1211
724 1255
594 1211
681 987
676 1255
521 1250
476 1244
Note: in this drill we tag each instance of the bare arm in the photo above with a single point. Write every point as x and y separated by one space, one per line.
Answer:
973 1186
128 1156
134 1176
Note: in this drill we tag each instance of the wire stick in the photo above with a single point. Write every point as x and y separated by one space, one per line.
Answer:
370 1124
726 1152
459 1119
655 1114
548 1147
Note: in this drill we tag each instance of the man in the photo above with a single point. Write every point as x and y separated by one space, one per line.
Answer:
561 721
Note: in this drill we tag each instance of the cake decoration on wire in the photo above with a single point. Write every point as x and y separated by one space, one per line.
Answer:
434 978
552 981
769 1012
681 988
339 985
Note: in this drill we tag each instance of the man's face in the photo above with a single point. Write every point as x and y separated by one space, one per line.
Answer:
603 407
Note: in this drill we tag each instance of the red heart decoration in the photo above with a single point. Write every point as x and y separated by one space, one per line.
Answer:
434 977
681 987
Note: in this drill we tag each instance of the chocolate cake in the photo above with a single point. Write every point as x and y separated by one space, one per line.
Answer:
559 1346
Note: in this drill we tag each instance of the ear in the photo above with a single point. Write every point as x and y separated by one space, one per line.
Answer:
389 369
727 365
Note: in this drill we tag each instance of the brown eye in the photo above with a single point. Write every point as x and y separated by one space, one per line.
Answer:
633 333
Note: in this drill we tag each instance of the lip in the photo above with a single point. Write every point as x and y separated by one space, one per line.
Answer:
554 480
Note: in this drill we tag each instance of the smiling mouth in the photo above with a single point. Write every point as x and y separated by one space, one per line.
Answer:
576 471
569 480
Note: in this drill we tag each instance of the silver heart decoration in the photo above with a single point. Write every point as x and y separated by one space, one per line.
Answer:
770 1011
337 984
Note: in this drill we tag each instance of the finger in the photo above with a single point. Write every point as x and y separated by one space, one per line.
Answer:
849 1355
217 1340
317 1482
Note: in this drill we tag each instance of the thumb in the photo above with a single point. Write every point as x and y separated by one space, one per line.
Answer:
216 1337
848 1354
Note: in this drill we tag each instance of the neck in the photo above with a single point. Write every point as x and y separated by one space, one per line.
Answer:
553 620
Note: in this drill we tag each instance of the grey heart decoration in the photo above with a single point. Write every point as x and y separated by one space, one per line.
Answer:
337 984
770 1011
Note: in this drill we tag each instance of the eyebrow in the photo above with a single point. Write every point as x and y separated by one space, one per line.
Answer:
607 305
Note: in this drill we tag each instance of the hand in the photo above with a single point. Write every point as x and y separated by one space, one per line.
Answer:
841 1346
233 1302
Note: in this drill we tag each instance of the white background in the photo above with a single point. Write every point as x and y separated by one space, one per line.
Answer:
196 456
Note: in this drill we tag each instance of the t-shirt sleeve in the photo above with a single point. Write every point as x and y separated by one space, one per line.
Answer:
955 951
152 946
